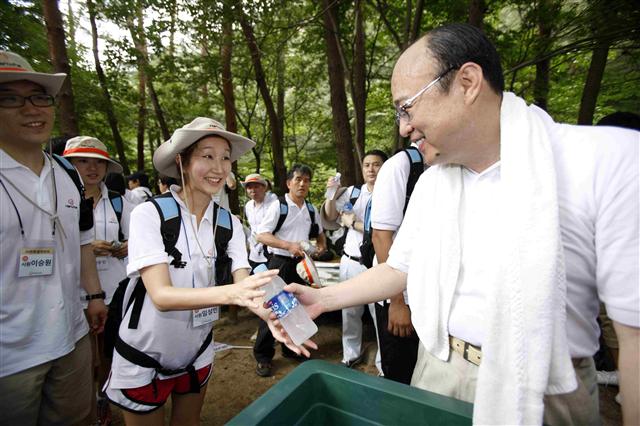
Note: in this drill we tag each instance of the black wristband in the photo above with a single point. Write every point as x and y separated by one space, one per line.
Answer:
101 295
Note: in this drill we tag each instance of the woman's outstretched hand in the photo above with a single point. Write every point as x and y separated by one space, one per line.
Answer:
247 292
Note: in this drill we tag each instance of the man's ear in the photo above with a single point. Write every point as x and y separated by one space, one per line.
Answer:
471 79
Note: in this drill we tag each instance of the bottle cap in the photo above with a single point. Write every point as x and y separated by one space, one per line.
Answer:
260 268
347 207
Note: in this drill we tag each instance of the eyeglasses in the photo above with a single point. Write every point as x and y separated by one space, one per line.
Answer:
17 101
401 111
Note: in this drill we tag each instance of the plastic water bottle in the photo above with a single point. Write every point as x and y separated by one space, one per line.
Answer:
288 310
333 187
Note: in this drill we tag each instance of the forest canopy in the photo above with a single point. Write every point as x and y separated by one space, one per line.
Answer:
308 81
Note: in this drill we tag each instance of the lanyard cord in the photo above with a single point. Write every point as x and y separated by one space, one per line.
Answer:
53 217
14 207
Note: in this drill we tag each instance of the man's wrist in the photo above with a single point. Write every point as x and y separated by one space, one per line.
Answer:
95 296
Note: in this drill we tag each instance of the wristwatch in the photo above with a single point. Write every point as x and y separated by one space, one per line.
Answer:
101 295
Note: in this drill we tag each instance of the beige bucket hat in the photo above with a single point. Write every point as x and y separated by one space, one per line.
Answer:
254 178
164 158
89 147
14 67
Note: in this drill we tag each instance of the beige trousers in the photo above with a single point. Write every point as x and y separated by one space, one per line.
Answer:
57 392
457 378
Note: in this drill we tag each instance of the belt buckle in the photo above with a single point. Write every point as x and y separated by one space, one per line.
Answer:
475 358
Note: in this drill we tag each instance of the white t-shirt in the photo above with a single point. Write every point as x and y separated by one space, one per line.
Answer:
111 270
255 214
170 337
41 317
295 227
389 195
354 238
139 195
598 201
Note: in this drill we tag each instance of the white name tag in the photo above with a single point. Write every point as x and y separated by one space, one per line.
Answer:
102 263
35 262
205 316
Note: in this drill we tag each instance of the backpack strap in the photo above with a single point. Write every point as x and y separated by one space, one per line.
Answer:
140 358
416 167
312 212
284 211
86 206
314 230
367 217
116 202
355 194
224 228
170 218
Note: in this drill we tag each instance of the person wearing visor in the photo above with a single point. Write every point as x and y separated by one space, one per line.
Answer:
45 259
111 213
164 347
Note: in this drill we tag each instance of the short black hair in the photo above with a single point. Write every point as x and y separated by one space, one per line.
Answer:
455 44
115 182
377 153
140 177
628 120
167 180
302 169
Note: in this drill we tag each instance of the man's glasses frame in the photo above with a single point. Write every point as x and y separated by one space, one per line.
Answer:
402 111
17 101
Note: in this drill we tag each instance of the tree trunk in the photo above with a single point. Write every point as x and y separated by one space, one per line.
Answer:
142 55
60 60
417 20
359 91
142 116
545 11
476 13
280 171
226 51
340 120
111 116
72 24
592 84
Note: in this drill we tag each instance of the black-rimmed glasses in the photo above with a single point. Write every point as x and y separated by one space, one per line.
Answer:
17 101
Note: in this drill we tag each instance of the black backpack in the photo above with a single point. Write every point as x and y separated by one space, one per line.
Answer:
416 167
86 206
284 211
170 220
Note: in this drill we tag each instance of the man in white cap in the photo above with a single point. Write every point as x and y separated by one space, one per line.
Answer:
45 373
254 210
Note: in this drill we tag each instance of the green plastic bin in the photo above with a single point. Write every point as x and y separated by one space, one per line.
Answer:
320 393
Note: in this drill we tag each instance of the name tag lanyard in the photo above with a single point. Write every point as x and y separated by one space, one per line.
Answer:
204 256
53 217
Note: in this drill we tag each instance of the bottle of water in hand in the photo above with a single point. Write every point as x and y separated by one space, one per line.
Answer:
288 310
333 187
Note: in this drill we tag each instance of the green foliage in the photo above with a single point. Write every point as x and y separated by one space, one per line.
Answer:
185 37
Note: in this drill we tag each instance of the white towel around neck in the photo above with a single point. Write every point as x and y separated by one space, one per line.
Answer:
525 352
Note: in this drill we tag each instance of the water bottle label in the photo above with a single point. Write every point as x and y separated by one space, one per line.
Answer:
282 303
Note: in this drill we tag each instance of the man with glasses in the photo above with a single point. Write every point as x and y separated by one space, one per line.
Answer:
518 228
45 368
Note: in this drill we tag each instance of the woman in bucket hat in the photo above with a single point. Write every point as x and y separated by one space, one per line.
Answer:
173 329
111 230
